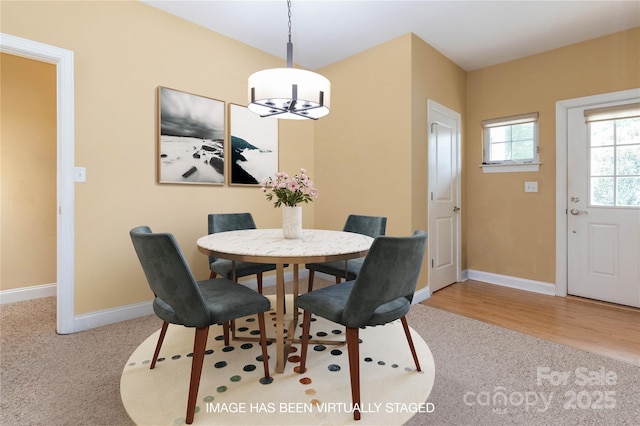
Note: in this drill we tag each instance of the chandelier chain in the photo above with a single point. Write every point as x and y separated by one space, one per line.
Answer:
289 7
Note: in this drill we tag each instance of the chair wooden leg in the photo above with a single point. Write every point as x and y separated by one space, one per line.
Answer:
407 333
311 276
163 332
338 280
353 347
259 279
199 346
263 343
225 331
212 275
304 341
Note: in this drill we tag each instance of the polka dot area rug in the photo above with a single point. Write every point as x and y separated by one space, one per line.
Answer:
231 392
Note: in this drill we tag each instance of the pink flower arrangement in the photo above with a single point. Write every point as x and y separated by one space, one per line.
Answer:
289 191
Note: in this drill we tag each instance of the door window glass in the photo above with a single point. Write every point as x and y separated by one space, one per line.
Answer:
614 166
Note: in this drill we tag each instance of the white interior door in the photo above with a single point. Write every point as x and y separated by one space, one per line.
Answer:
444 196
603 209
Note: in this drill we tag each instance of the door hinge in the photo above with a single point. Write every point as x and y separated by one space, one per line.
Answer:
432 196
432 263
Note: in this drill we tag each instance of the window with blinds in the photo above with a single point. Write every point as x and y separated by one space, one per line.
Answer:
614 155
511 140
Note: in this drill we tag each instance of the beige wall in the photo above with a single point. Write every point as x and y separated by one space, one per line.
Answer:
509 231
371 151
368 156
437 78
363 148
123 51
28 170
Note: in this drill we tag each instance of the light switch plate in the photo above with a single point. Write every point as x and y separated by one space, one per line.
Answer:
531 187
81 174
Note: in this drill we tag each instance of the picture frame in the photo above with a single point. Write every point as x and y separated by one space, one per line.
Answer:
253 146
191 138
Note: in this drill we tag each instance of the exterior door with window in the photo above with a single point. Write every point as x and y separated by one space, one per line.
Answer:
604 203
444 198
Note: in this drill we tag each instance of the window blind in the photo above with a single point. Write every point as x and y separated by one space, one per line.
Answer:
511 120
612 113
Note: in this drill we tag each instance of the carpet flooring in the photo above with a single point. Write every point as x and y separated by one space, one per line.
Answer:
484 375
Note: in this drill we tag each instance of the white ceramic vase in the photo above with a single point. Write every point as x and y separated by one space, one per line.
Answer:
292 222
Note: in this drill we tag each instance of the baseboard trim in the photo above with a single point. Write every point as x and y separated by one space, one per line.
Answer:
512 282
421 295
27 293
136 310
113 315
122 313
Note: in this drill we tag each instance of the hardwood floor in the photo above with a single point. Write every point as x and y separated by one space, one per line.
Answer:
605 329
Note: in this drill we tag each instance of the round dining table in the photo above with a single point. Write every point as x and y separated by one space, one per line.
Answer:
270 246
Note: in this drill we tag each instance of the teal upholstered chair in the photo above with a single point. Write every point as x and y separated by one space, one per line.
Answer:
382 292
223 222
180 299
365 225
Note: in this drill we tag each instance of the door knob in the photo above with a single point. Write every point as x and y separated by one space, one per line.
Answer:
456 208
576 212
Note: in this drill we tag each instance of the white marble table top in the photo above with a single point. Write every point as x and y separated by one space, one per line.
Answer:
271 243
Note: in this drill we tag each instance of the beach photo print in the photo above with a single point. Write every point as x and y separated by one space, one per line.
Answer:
191 138
253 145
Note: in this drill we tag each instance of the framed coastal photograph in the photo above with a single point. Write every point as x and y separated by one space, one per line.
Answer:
190 138
253 145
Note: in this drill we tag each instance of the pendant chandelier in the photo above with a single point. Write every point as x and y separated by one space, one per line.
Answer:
289 93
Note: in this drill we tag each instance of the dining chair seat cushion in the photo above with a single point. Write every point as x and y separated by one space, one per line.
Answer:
330 302
224 268
224 300
337 268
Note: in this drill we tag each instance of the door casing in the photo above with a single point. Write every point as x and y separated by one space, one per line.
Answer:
562 108
64 61
433 106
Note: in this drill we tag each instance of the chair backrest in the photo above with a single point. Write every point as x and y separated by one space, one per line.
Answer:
223 222
178 299
389 273
372 226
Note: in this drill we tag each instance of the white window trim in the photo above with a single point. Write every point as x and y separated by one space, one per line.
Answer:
510 166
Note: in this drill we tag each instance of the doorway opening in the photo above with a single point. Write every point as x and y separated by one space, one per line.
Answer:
64 61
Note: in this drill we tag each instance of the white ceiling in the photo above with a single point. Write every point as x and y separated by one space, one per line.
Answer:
473 34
